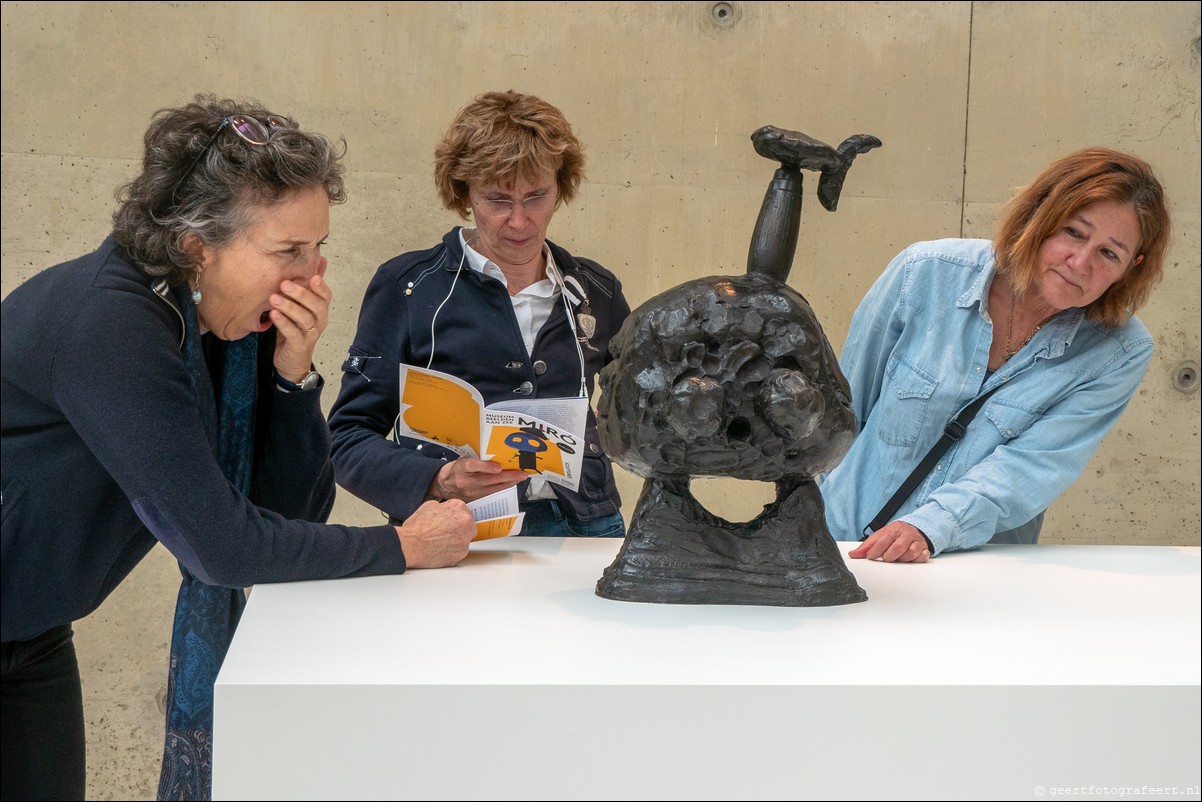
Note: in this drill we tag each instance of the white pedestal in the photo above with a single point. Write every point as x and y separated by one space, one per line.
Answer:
1011 672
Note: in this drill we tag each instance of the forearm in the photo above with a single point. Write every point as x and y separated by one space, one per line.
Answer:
389 476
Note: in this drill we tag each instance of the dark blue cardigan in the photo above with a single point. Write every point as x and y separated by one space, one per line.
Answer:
104 451
477 338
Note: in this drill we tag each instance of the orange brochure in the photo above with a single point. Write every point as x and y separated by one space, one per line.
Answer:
543 436
497 515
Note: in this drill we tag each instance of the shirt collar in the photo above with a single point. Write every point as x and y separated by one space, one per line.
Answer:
979 289
1060 330
482 264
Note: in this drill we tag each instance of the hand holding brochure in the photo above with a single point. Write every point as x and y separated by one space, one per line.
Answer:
543 436
497 515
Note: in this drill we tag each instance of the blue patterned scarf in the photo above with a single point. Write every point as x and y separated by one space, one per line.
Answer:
205 615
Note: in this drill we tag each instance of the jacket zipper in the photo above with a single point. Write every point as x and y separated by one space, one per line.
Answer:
161 289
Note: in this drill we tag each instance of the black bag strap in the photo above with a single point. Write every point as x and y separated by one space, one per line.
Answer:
951 433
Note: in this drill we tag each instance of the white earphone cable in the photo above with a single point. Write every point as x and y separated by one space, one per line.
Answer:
567 308
454 281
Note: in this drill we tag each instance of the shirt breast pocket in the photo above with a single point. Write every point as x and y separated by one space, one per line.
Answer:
1009 419
906 399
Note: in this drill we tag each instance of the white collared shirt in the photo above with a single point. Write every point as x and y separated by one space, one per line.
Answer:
532 306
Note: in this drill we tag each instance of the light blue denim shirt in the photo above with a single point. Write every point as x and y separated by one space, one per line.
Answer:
917 353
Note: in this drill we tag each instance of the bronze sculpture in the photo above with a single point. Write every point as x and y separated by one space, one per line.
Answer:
733 376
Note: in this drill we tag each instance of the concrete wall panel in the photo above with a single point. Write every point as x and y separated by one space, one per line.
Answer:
970 99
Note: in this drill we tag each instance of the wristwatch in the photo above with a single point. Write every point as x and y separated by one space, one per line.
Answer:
308 383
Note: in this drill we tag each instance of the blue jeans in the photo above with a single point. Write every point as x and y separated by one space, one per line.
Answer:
547 518
1027 534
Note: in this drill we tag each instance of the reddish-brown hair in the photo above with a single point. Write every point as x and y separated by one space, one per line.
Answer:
1065 187
506 138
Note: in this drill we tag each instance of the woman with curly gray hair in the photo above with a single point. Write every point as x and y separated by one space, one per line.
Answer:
168 377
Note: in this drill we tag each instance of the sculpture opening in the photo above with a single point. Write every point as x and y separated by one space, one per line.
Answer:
739 499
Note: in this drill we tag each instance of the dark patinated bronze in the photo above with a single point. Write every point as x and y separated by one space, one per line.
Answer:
733 376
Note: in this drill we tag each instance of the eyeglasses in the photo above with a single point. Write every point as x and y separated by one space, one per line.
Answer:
503 207
252 131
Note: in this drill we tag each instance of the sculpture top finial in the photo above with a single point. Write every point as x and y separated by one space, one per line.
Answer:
795 151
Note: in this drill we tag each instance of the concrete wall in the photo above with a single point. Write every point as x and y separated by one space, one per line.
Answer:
970 100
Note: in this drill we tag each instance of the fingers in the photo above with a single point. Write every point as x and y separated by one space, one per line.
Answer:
913 552
300 312
437 534
876 546
860 552
897 542
303 306
469 479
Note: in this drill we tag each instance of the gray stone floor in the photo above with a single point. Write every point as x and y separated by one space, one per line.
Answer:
123 650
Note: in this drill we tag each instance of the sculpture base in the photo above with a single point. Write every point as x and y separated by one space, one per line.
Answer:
677 552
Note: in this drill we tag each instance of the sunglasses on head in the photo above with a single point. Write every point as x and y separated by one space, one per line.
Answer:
251 130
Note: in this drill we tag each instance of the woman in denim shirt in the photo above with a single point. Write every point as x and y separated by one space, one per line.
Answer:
1046 312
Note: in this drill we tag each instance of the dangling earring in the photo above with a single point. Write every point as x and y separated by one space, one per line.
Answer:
196 295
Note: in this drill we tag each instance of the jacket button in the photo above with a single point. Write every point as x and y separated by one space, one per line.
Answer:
540 367
525 388
593 447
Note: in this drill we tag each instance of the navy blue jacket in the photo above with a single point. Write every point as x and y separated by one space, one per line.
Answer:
105 451
477 339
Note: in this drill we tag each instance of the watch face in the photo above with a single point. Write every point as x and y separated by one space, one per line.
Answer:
310 381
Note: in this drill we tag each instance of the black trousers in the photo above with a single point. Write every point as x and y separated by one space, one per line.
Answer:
43 745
